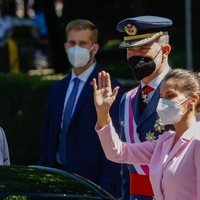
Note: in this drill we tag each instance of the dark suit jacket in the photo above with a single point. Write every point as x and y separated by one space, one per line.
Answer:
84 153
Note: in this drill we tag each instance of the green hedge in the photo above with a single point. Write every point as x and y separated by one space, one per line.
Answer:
22 102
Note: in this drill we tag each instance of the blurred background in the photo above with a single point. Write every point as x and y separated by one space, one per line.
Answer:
32 55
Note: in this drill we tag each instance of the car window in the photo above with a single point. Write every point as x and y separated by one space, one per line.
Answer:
33 183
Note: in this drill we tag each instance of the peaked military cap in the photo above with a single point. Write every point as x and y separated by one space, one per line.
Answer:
143 29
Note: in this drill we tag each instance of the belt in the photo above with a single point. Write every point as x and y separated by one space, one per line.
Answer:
140 185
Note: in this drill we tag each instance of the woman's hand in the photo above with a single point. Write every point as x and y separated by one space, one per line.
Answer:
103 97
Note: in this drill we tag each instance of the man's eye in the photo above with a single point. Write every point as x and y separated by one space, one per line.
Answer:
71 43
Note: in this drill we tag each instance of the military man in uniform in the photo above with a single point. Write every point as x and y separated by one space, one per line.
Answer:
147 46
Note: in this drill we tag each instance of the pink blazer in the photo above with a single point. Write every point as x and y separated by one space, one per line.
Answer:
174 170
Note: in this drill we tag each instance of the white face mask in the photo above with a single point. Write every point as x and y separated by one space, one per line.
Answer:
78 56
170 111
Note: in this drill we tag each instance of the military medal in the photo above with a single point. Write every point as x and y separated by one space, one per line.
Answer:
144 98
159 126
146 90
150 136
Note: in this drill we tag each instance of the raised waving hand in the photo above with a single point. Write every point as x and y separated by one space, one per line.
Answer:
104 97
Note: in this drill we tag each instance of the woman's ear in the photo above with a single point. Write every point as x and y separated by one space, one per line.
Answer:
194 99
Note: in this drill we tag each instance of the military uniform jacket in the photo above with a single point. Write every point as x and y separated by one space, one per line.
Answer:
138 127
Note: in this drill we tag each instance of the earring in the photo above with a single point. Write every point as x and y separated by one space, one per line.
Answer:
191 109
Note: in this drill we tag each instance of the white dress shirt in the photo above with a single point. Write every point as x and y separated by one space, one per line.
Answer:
155 82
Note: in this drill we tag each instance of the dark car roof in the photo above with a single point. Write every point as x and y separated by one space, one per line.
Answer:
36 180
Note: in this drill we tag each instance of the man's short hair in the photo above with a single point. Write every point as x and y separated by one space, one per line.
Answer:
83 24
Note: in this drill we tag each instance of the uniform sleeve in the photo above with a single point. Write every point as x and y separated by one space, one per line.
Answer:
122 152
5 158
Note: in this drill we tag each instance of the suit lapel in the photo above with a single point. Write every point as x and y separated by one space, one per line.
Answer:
60 99
177 147
166 147
150 108
182 144
86 92
135 102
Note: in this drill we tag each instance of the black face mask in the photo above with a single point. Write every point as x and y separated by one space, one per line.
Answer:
141 66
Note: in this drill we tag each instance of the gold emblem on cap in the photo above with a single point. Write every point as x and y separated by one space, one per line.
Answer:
130 29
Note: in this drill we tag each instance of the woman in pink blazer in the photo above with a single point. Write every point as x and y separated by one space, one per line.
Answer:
173 159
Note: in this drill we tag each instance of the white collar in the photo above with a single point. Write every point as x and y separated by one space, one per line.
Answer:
156 81
84 75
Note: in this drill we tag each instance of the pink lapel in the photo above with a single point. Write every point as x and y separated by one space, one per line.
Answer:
180 146
172 151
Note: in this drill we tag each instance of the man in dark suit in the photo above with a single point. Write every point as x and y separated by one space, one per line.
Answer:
69 140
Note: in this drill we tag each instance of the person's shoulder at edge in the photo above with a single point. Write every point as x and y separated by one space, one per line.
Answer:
4 147
2 133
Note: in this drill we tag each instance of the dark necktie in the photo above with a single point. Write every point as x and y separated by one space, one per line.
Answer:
144 92
67 115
